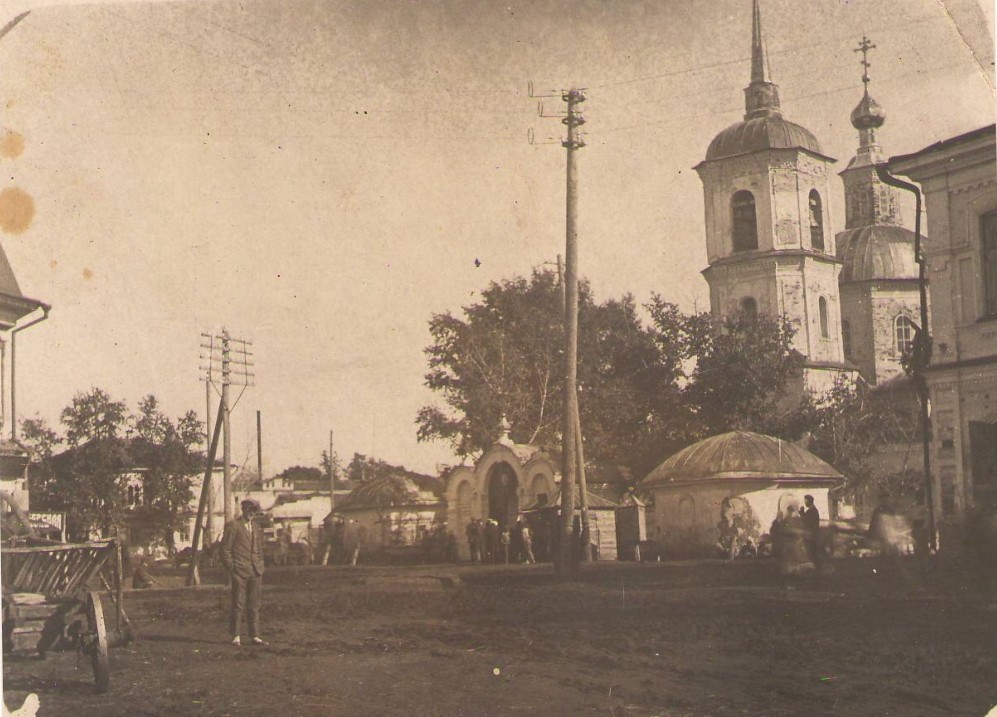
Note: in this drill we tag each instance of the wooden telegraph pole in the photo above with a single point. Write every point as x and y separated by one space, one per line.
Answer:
572 456
567 564
236 368
227 427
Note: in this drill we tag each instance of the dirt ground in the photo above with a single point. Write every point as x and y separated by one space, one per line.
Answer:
668 639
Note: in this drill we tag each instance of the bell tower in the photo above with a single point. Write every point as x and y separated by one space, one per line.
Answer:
769 242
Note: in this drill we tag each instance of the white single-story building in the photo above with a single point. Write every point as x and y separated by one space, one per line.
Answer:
757 475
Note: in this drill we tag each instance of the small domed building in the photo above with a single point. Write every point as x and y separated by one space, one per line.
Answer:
748 474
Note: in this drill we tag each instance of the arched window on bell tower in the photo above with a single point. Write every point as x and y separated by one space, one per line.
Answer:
816 221
825 332
744 227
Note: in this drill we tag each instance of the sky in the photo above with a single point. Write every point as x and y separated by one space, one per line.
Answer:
320 178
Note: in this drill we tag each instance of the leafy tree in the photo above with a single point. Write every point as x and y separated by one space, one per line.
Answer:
88 481
41 441
305 477
90 477
335 468
504 356
851 426
166 451
736 368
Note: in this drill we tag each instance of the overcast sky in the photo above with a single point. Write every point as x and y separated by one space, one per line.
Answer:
321 177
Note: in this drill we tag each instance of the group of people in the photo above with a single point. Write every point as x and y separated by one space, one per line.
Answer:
796 537
491 543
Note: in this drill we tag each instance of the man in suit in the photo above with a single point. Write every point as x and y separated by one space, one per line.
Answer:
242 556
811 524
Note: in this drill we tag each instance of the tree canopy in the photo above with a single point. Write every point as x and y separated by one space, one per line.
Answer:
105 443
504 356
644 391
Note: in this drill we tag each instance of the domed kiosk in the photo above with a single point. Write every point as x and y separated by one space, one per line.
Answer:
753 475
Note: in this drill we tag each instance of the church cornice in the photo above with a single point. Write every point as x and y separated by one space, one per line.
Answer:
765 150
752 257
894 282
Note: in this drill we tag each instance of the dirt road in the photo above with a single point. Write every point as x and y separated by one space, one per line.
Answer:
703 639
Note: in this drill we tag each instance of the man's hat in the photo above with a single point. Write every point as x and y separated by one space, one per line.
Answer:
808 497
250 502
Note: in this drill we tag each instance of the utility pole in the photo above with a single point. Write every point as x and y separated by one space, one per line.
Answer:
569 456
580 449
235 365
332 478
209 528
259 445
566 563
227 426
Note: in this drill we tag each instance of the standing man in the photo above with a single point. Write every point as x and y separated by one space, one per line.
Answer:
474 539
811 526
242 555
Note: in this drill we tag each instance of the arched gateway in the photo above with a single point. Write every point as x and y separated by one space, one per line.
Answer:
508 477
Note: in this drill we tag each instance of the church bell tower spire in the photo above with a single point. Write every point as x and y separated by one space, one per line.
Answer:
761 97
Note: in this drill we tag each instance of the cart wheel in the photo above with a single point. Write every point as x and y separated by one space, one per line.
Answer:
98 655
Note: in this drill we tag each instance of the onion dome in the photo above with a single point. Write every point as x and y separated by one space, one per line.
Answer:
867 113
877 253
741 455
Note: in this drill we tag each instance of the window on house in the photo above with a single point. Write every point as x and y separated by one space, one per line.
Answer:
816 221
903 329
989 232
825 331
744 225
846 339
749 307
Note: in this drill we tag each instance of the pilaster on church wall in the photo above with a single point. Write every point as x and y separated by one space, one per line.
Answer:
793 305
822 281
856 309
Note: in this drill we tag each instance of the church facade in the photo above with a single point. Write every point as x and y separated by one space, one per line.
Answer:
769 244
852 297
880 296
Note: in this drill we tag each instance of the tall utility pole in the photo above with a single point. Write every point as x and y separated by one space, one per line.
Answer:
567 565
235 366
227 427
259 445
332 478
209 527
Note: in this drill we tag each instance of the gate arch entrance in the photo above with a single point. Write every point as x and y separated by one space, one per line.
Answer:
503 494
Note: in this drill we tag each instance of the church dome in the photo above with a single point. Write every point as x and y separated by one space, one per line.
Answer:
760 133
877 252
867 113
741 455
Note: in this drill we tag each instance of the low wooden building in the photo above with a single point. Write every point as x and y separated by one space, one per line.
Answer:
395 510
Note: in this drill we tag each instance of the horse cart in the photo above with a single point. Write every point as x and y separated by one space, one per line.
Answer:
52 601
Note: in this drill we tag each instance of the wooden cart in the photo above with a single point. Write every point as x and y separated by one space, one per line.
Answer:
52 600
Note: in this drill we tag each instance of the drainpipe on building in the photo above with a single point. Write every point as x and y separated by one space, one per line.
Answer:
13 364
922 346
